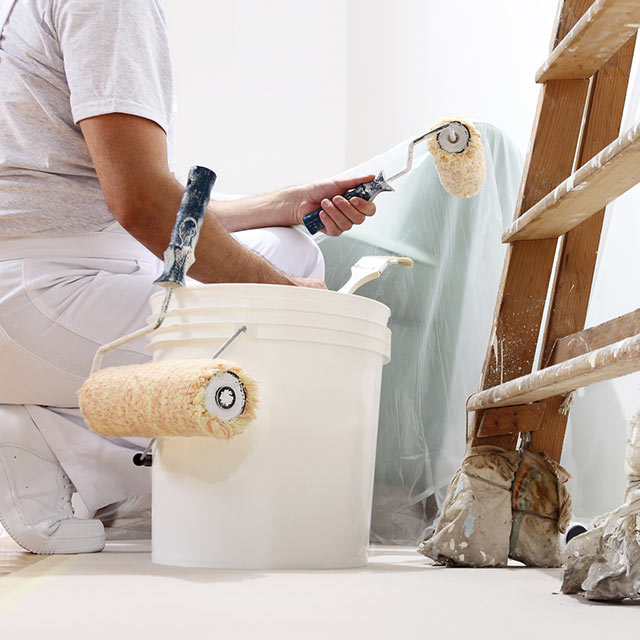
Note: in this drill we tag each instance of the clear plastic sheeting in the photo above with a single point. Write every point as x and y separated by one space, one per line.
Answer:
441 312
604 562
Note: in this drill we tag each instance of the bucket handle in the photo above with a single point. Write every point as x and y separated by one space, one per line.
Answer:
229 340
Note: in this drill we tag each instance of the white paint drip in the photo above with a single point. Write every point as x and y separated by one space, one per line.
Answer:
568 183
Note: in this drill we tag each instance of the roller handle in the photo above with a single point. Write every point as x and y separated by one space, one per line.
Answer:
179 255
366 191
312 220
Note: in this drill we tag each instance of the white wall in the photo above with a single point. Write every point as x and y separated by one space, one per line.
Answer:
421 61
260 88
281 92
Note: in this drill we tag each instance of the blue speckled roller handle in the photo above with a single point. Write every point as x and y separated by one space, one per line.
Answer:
179 255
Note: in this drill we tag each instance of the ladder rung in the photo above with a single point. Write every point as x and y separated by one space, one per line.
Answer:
606 176
612 361
601 31
585 341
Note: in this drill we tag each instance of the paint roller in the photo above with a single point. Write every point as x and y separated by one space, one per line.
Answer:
456 147
200 397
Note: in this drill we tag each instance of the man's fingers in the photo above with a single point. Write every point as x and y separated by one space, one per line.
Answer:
365 207
313 283
350 212
330 227
339 214
338 218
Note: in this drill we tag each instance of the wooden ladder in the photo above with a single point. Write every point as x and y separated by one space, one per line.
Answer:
539 350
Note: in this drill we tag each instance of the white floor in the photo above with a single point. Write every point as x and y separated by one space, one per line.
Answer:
119 593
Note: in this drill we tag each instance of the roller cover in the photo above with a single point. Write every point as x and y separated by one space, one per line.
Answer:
461 174
159 399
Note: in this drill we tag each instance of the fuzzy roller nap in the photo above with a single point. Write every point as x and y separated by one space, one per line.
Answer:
461 173
201 397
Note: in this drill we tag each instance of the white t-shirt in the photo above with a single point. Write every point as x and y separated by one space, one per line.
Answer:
62 61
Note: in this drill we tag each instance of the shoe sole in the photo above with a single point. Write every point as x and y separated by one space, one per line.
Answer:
36 544
33 544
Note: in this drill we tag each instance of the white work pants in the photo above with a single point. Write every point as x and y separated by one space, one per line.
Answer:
60 299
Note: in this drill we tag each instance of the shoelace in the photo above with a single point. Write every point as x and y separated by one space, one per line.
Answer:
66 498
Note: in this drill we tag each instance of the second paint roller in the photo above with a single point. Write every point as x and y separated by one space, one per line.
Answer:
200 397
456 147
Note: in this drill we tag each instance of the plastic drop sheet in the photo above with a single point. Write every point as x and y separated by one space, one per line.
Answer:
441 312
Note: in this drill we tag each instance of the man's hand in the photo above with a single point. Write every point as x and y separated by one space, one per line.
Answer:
338 214
312 283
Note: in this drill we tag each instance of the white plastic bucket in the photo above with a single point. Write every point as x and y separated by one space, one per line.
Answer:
294 490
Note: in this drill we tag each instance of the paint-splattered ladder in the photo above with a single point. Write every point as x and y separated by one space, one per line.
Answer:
539 350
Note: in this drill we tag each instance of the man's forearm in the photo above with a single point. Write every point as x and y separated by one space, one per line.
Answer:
269 210
219 258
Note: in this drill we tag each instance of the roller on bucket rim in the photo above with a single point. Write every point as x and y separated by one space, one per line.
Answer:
208 397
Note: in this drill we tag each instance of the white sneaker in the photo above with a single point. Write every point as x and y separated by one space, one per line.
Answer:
35 492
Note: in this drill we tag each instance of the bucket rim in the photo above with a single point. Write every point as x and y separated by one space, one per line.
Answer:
381 349
376 330
285 291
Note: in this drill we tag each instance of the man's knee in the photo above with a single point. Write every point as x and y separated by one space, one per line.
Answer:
287 248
